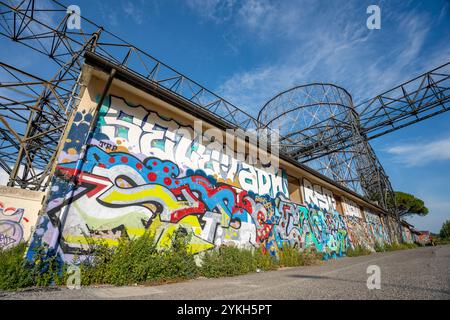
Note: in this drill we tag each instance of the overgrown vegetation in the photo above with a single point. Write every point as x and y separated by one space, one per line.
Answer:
441 241
445 230
358 251
231 261
394 246
138 261
16 272
13 272
292 257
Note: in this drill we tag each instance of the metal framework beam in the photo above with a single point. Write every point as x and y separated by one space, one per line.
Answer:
27 22
320 127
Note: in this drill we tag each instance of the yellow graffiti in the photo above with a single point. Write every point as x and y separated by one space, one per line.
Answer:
132 221
155 192
82 240
163 232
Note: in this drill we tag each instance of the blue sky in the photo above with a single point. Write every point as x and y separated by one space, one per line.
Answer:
247 51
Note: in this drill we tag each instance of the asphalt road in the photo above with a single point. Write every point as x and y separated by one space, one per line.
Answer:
422 273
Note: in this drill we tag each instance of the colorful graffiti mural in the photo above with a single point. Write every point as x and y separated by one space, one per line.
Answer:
351 208
319 196
423 238
139 172
392 229
376 228
18 215
309 226
407 235
359 234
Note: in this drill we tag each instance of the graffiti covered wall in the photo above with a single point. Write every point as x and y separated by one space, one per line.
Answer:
18 215
351 208
376 227
392 229
423 237
319 196
140 172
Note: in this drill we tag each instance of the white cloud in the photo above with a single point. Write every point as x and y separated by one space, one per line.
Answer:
330 43
438 213
257 16
316 51
419 154
218 11
133 11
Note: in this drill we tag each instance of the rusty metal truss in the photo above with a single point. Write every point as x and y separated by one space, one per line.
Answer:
33 114
329 134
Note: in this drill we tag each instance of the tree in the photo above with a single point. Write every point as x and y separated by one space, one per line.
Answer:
445 230
407 204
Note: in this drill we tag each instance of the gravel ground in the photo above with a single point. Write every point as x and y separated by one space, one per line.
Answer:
422 273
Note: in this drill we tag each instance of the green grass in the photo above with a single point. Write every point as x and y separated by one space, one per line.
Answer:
292 257
438 241
386 247
16 272
358 251
139 261
232 261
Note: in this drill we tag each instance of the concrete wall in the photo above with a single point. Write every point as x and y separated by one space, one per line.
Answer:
18 215
137 174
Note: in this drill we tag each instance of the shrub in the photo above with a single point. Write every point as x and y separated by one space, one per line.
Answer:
17 272
46 268
399 246
13 272
442 241
409 245
292 257
265 261
232 261
228 261
139 261
380 247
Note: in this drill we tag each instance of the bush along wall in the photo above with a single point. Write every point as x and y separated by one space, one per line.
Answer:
139 261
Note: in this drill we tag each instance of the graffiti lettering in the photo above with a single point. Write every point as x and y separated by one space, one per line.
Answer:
351 208
321 197
11 232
